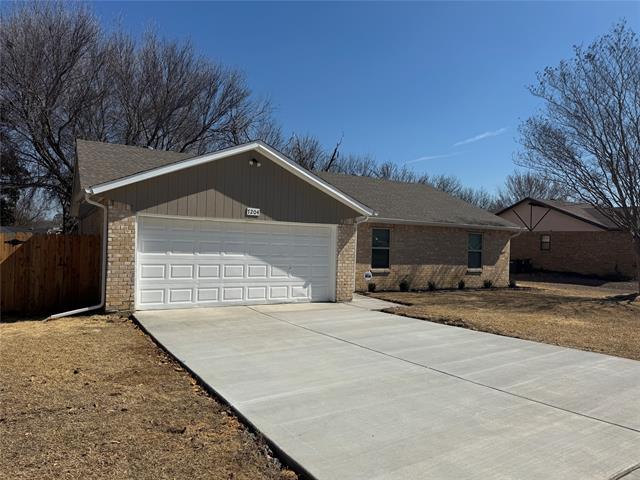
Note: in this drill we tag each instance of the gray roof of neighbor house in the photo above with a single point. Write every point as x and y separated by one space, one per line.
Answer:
100 162
414 202
581 211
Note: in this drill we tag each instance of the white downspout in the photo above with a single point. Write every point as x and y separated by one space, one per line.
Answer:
103 270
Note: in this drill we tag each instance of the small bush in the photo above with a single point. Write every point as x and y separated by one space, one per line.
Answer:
371 287
404 285
487 284
512 283
431 286
461 285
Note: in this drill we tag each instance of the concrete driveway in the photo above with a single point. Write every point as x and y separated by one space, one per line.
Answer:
349 393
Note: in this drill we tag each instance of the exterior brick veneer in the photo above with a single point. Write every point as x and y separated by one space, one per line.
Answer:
420 254
120 288
346 258
121 254
439 254
589 253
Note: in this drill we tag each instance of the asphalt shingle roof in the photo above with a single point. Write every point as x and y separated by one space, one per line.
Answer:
100 162
413 202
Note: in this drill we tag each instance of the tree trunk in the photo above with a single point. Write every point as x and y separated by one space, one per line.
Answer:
636 249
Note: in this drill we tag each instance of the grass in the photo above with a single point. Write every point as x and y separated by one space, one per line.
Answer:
588 318
93 397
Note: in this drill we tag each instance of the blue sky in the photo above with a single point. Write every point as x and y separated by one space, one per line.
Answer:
441 86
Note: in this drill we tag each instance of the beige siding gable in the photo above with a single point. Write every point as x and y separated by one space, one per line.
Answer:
225 188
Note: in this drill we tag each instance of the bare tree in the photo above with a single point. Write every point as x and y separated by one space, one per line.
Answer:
10 169
62 78
30 210
307 151
49 69
353 164
519 185
477 196
447 183
587 139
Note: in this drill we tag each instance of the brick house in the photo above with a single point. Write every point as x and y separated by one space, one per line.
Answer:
246 225
570 237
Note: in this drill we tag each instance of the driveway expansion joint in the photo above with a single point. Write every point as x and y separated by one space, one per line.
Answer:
452 375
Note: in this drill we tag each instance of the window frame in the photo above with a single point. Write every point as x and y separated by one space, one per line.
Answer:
543 242
387 248
470 250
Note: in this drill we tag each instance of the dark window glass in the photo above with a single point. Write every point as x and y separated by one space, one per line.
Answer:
380 248
475 241
380 258
474 259
545 242
380 238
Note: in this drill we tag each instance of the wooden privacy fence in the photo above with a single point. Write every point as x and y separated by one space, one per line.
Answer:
48 273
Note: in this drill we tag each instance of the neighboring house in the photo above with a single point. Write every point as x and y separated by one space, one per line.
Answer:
569 237
247 225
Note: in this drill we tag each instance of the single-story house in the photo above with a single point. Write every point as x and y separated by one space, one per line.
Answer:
569 237
247 225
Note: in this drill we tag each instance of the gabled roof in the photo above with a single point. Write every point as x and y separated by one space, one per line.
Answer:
580 211
100 162
400 202
105 166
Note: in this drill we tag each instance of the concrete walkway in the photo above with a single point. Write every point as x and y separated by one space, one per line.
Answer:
350 393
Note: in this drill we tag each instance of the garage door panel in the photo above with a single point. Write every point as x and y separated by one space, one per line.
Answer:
208 271
279 271
233 271
257 293
208 294
231 294
299 291
257 271
150 271
184 263
151 297
180 295
181 272
278 292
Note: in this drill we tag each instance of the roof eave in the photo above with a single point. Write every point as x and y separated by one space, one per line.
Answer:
474 226
258 146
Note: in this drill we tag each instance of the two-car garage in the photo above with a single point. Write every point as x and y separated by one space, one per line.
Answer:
239 226
183 263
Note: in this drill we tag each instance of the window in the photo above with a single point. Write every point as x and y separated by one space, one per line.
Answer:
474 259
545 243
380 248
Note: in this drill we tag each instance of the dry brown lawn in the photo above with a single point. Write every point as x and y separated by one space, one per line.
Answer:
588 318
93 397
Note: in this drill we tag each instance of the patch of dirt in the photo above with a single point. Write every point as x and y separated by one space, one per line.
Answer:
557 314
94 397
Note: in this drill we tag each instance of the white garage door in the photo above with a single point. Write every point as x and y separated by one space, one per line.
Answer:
202 263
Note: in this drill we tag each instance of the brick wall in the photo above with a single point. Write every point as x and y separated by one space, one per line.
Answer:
346 257
589 253
120 288
438 254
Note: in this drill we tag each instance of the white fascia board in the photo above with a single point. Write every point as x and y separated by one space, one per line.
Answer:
259 147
